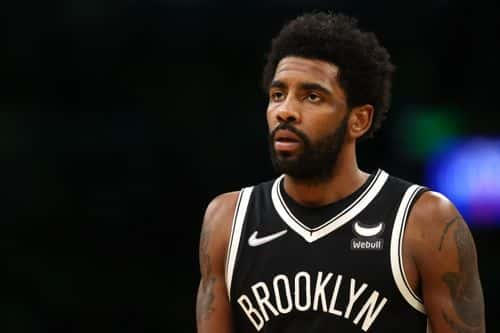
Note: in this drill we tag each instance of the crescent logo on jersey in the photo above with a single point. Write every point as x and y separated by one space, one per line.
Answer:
367 236
368 231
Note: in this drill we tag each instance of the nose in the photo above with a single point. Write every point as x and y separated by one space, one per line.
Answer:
287 112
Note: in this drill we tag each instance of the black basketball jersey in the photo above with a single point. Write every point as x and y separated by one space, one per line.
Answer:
337 268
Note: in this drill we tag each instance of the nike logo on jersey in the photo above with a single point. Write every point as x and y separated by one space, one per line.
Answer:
254 241
368 231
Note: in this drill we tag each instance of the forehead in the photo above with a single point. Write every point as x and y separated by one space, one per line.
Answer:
302 69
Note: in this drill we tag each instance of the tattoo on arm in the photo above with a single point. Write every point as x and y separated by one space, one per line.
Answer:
204 303
455 219
459 328
464 285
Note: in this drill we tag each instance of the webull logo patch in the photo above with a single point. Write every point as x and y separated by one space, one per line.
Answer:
367 236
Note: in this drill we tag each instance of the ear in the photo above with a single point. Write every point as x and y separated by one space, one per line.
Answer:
360 121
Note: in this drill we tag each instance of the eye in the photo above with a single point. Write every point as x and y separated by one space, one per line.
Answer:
277 96
313 98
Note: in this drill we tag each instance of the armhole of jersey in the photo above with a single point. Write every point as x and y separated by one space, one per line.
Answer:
236 229
397 248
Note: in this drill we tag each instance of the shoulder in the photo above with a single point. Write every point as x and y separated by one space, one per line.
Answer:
431 208
216 228
219 213
431 212
433 225
220 208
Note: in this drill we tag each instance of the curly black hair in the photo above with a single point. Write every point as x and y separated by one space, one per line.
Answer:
365 69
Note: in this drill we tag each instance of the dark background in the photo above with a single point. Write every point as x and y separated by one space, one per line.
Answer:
120 120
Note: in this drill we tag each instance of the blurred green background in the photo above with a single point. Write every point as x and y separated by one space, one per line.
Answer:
120 120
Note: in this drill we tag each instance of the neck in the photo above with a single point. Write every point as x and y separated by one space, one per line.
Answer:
345 178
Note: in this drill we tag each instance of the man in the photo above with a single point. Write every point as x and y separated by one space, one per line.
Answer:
327 247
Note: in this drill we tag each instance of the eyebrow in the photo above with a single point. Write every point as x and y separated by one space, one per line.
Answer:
277 84
303 86
315 86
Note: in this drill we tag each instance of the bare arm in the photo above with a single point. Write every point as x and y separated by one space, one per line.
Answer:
446 261
213 311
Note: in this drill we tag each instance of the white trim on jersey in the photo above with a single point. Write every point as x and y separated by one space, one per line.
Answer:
313 234
429 330
236 229
397 249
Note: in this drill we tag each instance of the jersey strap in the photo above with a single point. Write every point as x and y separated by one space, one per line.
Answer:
236 228
397 248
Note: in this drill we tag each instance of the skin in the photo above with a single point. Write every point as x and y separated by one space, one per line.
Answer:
213 312
440 258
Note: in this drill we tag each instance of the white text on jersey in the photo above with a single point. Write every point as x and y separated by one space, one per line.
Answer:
298 294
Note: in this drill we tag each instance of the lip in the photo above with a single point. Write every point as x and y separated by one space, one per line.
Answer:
286 141
286 136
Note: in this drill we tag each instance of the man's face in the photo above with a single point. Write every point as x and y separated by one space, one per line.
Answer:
307 118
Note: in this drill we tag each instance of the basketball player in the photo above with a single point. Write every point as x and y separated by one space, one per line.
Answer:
326 247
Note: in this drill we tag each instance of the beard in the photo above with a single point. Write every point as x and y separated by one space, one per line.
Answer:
316 161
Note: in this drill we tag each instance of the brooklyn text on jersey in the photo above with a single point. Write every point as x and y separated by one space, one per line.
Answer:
318 292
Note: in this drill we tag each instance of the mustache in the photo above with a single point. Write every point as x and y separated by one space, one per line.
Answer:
288 127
